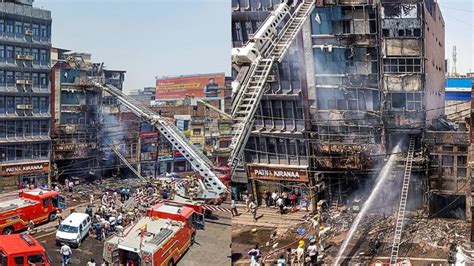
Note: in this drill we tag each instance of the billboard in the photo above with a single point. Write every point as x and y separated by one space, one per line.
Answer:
176 88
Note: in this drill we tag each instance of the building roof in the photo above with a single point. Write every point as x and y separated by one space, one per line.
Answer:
19 244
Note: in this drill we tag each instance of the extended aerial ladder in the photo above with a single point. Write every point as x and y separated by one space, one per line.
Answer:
212 187
254 62
403 203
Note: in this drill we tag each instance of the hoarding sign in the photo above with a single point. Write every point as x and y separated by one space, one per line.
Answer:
278 173
169 88
18 169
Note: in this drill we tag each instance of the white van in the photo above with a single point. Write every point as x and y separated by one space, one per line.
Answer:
73 229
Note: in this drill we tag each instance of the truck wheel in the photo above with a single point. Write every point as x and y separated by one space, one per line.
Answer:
171 262
52 217
8 231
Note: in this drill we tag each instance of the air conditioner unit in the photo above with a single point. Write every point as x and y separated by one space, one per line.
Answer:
28 32
28 82
28 57
20 81
271 78
20 57
24 107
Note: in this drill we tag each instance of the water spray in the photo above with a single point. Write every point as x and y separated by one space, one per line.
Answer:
380 181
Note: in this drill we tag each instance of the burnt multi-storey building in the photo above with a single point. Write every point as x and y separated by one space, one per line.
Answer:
76 115
25 144
361 77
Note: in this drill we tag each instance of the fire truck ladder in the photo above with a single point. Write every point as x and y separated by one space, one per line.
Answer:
403 203
214 188
252 89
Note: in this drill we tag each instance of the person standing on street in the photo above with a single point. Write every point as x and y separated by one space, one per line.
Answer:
313 252
91 263
253 210
233 208
66 253
255 256
280 203
247 202
281 261
299 252
71 185
266 198
275 198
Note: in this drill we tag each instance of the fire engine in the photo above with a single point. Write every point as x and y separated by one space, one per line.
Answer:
160 238
22 249
38 205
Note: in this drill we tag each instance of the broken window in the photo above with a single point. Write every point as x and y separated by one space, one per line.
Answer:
462 160
448 148
346 26
413 101
402 65
447 160
248 29
398 100
277 110
462 172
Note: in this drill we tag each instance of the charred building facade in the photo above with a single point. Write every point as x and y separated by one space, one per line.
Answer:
76 115
361 77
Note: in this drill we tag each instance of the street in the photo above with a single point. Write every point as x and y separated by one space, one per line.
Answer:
216 236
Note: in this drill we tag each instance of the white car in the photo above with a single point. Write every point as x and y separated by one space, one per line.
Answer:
73 229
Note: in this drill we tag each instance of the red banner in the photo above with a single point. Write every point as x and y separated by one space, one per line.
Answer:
191 86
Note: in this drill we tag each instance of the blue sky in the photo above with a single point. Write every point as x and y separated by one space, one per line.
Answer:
149 38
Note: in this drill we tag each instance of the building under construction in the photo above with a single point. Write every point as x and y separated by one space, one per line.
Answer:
361 77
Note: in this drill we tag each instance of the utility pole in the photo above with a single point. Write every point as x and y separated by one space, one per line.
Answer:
455 60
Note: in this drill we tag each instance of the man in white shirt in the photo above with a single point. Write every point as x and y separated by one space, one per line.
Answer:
280 203
66 253
313 252
274 197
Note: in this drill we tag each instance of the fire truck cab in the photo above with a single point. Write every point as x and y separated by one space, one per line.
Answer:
22 250
37 205
160 238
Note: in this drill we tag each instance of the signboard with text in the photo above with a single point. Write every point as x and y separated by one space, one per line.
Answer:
177 88
278 173
25 168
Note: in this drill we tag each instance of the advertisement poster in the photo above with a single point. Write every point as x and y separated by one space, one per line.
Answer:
176 88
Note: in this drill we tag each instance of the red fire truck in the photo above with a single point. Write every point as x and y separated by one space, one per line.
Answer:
160 238
22 250
37 205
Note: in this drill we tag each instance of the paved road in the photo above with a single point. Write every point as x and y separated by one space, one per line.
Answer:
212 245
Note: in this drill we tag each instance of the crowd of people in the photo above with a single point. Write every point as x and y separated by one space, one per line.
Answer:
284 201
302 255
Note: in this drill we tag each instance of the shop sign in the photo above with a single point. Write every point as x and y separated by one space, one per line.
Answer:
278 173
18 169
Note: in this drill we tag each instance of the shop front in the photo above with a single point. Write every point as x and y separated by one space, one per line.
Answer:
22 175
280 179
